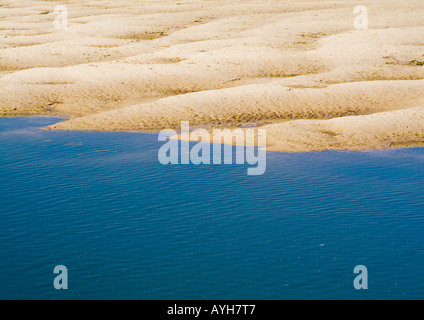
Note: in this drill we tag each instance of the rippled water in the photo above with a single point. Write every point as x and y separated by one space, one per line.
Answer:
128 227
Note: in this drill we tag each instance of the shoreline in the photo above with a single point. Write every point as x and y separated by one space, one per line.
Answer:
393 147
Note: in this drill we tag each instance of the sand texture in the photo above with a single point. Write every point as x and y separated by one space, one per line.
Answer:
297 68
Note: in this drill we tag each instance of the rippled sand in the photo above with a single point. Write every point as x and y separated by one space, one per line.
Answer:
297 68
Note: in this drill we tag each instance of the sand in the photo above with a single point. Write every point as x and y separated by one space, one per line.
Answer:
297 68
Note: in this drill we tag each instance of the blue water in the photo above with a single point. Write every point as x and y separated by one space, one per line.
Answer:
128 227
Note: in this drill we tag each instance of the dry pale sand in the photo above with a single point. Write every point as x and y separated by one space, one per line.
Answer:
297 68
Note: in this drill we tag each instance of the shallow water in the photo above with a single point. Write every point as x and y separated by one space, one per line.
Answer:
128 227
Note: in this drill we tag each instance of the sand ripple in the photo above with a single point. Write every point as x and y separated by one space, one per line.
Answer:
297 68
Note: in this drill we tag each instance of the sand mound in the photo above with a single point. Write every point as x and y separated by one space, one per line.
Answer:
402 128
254 104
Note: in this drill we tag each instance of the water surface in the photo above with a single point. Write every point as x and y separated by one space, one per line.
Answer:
129 227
